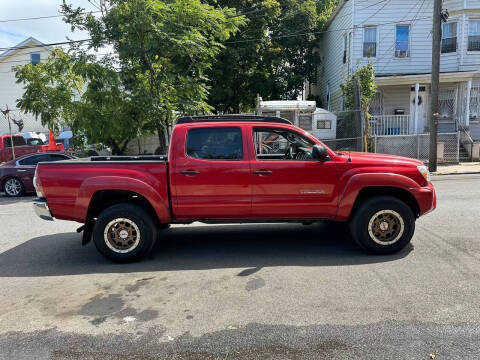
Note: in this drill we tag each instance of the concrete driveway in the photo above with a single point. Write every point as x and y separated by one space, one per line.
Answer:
245 291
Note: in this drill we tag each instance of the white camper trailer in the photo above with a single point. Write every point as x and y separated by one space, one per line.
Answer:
304 114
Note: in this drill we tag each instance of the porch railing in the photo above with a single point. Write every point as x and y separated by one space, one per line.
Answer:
389 125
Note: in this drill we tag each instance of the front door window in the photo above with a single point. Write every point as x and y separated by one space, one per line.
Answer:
281 144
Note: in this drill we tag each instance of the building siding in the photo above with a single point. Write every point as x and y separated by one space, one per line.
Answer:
10 91
385 15
333 72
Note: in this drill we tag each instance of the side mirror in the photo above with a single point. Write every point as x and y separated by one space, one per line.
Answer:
320 153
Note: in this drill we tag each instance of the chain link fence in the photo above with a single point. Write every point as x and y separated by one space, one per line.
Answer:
417 146
349 138
349 132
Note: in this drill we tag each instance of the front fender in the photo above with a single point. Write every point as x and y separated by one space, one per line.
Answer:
91 185
360 181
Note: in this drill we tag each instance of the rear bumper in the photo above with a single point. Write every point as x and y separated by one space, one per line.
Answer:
426 198
41 209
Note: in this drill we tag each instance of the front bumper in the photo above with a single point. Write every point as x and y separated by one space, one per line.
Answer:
41 209
426 198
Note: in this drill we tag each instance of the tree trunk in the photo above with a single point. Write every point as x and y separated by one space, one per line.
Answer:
115 148
161 139
367 136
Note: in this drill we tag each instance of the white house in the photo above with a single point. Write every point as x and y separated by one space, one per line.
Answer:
29 50
395 36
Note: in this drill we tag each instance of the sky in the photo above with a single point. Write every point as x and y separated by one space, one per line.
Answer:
45 30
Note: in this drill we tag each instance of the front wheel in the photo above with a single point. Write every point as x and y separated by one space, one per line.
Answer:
124 233
383 225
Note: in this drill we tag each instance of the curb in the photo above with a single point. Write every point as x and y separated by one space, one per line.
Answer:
457 173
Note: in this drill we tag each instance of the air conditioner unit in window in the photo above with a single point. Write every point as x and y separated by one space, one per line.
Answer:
401 53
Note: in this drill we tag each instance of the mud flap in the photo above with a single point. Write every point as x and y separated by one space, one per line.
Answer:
87 230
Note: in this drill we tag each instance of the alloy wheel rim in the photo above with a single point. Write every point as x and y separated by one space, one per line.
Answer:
13 187
121 235
386 227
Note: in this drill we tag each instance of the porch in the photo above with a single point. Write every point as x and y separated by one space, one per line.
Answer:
402 105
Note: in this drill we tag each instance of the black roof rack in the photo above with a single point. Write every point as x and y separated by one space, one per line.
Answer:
213 118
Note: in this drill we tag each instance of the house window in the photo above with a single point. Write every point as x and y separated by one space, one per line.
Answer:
305 122
324 124
34 58
370 41
474 35
402 39
449 37
345 46
475 102
447 103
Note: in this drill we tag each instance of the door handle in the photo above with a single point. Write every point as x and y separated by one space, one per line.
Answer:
190 172
262 172
20 170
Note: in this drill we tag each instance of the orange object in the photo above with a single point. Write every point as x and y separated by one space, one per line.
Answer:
52 145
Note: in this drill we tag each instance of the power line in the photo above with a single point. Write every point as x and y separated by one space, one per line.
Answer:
375 13
39 17
43 45
315 32
33 52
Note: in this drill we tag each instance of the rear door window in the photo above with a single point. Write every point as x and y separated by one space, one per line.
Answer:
215 143
34 159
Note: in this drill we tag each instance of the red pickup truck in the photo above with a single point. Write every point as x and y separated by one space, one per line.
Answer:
235 169
20 147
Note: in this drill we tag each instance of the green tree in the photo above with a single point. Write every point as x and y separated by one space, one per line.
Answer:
87 96
163 48
365 76
155 69
272 55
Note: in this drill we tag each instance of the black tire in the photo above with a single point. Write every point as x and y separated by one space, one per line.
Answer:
132 215
8 190
368 219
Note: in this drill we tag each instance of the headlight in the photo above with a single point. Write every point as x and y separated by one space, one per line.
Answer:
424 171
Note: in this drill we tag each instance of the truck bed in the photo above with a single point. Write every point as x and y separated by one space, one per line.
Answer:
70 185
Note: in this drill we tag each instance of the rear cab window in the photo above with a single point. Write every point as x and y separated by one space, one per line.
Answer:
215 143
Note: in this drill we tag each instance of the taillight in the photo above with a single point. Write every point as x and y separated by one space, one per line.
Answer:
38 185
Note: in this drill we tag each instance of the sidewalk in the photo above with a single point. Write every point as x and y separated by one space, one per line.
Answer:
461 168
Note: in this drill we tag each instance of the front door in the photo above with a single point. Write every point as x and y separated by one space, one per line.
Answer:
212 175
423 102
286 182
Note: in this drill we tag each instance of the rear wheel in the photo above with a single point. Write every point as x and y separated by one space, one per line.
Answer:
124 233
383 225
13 187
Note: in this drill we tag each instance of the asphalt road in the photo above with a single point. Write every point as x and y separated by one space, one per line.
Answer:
245 291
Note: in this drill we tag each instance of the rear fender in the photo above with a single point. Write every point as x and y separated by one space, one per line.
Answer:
359 181
91 185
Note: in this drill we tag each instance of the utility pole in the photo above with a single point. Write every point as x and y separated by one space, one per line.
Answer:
436 44
6 113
